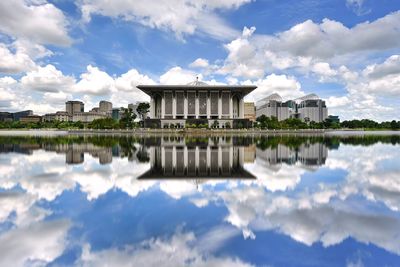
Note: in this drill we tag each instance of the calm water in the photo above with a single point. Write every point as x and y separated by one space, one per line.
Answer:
200 201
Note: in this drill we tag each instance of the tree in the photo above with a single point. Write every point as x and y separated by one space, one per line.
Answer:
143 108
106 123
394 125
127 120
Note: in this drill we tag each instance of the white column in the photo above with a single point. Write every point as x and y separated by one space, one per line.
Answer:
230 107
241 109
197 157
162 106
208 106
197 105
241 155
174 157
163 157
185 157
230 157
173 105
185 105
152 108
219 156
219 105
208 157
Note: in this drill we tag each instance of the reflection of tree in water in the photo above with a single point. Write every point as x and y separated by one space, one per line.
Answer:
143 155
332 142
129 144
128 148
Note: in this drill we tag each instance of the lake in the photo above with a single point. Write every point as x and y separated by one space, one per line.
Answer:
275 200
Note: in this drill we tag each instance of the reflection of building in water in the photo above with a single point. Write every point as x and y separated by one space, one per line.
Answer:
75 153
19 148
249 153
196 162
306 154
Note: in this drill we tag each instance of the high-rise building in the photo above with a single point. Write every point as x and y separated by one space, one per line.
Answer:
105 106
273 106
306 108
311 108
72 107
117 113
249 111
16 116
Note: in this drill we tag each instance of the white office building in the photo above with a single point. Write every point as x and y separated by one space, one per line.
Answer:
306 108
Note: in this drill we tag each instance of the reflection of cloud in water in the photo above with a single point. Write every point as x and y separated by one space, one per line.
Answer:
35 244
324 213
284 178
369 173
179 250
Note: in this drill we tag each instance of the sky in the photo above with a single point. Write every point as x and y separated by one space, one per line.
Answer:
345 51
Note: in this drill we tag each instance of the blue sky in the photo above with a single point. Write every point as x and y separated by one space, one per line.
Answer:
346 51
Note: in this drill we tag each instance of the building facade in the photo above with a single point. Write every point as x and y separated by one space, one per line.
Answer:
273 106
105 106
15 116
58 116
174 159
311 108
72 107
306 108
196 101
88 116
31 119
250 111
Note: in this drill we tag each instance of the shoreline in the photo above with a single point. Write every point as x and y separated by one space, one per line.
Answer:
194 132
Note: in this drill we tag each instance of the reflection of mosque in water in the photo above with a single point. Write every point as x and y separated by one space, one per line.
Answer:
310 155
212 157
205 158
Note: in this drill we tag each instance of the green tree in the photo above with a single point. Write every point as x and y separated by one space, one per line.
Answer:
128 118
106 123
143 108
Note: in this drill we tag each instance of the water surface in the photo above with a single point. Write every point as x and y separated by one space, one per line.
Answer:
200 201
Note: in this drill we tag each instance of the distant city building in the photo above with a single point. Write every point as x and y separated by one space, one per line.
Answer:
49 117
18 115
307 154
6 116
105 106
72 107
307 108
88 116
58 116
311 108
273 106
249 111
117 113
196 102
31 119
62 116
333 119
